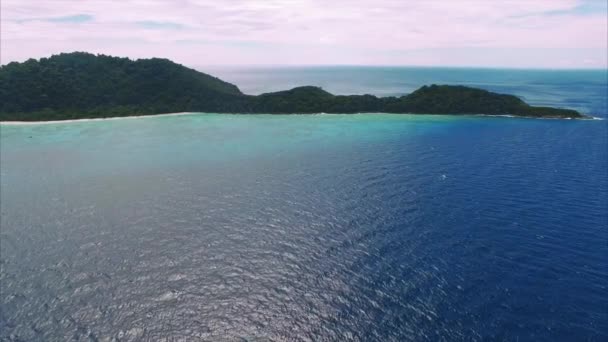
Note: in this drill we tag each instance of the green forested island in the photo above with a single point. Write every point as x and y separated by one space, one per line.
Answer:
81 85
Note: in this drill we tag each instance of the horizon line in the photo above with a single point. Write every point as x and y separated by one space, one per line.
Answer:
271 66
330 65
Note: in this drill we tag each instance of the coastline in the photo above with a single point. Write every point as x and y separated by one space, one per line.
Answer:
22 123
15 123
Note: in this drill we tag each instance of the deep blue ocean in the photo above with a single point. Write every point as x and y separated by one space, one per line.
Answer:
367 227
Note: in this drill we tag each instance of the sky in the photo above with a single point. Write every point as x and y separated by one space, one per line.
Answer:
472 33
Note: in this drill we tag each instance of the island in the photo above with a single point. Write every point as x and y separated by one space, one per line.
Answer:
81 85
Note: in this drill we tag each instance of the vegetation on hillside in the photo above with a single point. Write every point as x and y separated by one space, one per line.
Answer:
82 85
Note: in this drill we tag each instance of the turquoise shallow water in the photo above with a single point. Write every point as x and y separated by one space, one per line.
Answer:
366 227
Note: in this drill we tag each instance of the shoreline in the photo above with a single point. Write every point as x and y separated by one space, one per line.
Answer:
14 123
20 123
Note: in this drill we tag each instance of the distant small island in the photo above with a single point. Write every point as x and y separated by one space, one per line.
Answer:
81 85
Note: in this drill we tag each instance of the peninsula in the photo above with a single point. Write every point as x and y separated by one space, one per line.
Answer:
81 85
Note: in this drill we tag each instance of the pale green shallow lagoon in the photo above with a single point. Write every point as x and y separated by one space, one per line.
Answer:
215 136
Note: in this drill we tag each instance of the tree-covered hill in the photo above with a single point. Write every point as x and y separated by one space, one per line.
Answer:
83 85
75 84
441 99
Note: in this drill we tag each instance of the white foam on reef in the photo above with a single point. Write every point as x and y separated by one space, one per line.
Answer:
495 115
534 117
8 123
92 119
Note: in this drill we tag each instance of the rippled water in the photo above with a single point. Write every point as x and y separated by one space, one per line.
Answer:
305 227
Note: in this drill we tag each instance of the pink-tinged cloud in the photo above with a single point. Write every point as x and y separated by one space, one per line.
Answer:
511 33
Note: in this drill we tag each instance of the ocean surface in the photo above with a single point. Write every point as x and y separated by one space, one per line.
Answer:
367 227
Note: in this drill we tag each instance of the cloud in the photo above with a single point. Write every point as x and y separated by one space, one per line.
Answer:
319 31
159 25
79 18
75 19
